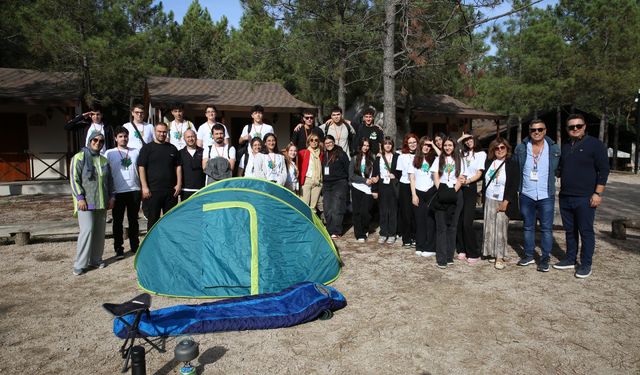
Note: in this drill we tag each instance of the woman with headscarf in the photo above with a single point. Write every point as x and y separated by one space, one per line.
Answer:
93 194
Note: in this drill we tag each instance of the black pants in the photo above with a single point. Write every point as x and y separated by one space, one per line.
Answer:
334 196
361 212
407 219
466 237
446 228
160 202
184 195
129 201
425 222
388 208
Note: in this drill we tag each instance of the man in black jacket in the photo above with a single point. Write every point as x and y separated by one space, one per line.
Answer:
192 174
89 122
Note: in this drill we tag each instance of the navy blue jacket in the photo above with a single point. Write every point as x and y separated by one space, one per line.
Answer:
583 165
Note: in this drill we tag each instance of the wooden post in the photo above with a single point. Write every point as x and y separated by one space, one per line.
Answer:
21 238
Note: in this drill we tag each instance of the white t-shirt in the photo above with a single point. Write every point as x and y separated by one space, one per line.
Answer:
253 167
226 151
176 133
404 165
495 190
384 172
124 169
146 131
205 135
257 130
448 176
340 133
98 128
274 168
423 176
292 178
473 162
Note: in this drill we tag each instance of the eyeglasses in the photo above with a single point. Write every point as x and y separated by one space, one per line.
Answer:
97 140
574 127
308 117
537 130
412 143
501 147
313 140
426 144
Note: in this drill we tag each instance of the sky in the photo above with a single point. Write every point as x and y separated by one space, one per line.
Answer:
233 11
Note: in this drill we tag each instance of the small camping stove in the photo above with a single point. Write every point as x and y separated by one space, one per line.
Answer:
186 351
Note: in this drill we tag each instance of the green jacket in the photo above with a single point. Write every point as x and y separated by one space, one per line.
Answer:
97 191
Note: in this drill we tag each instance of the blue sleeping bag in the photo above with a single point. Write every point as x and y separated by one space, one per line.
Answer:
298 304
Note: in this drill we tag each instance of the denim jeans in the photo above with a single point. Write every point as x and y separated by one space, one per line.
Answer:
530 210
577 219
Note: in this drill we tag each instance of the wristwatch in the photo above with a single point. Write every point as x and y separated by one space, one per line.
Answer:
596 193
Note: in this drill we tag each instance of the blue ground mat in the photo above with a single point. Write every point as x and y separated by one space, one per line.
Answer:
298 304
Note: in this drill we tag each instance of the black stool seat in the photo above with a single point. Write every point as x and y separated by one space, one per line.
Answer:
138 305
141 302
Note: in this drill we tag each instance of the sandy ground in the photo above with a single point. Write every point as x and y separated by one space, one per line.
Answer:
404 316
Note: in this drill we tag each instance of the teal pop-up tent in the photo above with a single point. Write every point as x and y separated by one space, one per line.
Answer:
237 237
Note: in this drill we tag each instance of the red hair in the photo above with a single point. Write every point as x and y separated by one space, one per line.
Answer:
405 144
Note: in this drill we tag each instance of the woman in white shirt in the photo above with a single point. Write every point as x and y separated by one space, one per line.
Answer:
388 190
290 153
422 191
472 167
448 179
251 163
273 163
500 188
407 224
361 178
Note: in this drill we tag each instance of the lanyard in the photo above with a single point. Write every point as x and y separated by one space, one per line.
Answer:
536 158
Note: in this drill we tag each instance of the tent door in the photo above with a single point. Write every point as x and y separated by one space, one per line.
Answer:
230 255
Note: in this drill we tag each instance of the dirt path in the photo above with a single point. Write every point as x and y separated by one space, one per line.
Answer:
404 316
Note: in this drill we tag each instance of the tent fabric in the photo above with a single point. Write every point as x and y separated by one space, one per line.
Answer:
298 304
234 238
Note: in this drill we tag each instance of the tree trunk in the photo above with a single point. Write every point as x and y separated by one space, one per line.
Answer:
603 124
519 133
342 84
616 126
558 125
406 123
388 69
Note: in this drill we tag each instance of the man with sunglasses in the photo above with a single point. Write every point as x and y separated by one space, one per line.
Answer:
538 157
301 133
584 169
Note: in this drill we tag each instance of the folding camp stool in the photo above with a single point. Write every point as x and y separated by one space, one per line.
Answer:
138 306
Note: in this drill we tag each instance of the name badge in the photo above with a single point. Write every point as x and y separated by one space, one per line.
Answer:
386 180
534 175
326 170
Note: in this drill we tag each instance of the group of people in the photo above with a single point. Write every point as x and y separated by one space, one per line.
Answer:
426 189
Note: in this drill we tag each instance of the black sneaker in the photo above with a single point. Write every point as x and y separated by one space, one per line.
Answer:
543 266
564 264
120 255
526 261
406 244
441 266
583 272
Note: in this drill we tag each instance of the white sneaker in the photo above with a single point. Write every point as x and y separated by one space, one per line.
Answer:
391 240
382 240
427 253
418 253
361 240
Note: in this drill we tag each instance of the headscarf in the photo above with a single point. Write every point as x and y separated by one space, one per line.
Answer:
314 160
89 168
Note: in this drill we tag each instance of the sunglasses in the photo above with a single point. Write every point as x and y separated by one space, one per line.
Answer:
308 117
313 140
537 130
574 127
97 140
501 147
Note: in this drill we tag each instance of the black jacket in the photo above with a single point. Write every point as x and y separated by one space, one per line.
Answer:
376 170
81 123
512 183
